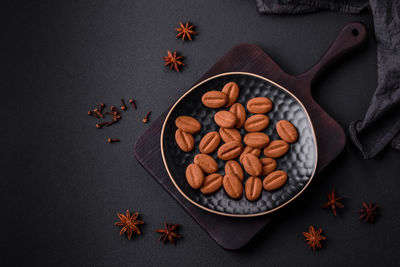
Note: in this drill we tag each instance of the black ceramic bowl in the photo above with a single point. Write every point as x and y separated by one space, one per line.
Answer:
300 162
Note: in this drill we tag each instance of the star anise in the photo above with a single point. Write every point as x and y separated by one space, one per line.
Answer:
185 31
173 61
369 212
333 202
313 237
168 233
128 223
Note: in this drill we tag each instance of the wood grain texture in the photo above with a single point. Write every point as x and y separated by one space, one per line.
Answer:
250 58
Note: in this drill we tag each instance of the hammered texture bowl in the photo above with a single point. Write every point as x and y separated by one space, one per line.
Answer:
300 162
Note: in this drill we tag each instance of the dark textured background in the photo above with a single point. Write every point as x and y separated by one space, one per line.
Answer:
62 184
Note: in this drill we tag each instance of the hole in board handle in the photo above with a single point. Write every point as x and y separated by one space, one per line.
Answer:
355 32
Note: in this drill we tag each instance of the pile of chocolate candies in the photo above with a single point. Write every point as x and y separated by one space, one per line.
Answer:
202 173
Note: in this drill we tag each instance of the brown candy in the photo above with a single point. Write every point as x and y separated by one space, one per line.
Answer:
233 186
231 90
230 150
184 140
276 149
229 135
214 99
256 139
268 165
256 123
194 176
233 167
248 149
209 142
212 183
225 119
253 188
259 105
252 164
188 124
240 113
206 163
274 180
287 131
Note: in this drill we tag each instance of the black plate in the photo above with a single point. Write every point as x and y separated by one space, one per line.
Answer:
299 163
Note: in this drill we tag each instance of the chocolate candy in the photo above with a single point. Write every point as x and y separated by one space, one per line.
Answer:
256 123
233 167
209 142
268 165
188 124
233 186
225 119
259 105
256 139
248 149
253 188
194 176
231 90
276 149
274 180
214 99
240 113
252 164
230 150
287 131
184 140
212 183
229 135
206 163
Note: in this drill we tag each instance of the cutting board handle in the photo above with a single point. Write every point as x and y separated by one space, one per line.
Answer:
350 37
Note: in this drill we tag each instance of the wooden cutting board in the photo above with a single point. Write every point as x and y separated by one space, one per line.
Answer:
234 233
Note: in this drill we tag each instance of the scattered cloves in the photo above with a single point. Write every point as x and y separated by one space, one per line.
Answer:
116 118
91 113
99 125
112 140
112 108
115 114
123 106
146 118
112 113
102 105
98 113
132 103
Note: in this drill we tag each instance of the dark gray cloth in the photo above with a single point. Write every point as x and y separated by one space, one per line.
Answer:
306 6
381 124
